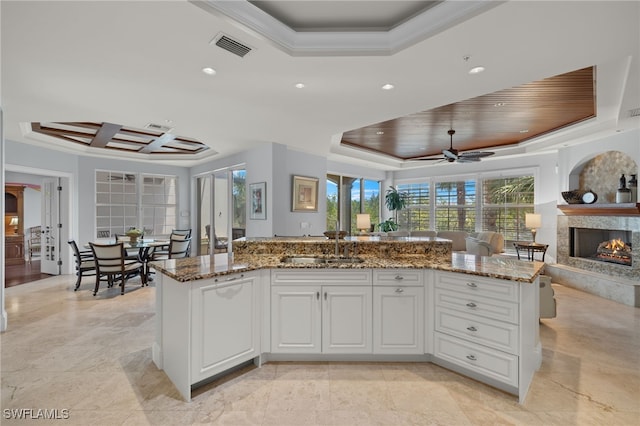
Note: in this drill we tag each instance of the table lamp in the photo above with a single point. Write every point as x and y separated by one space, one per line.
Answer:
363 222
14 222
533 221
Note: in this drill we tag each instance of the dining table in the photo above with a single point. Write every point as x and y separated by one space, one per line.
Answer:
144 247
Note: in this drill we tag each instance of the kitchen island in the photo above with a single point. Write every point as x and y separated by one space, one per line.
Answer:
407 299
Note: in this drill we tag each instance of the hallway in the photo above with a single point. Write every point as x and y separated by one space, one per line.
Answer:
68 350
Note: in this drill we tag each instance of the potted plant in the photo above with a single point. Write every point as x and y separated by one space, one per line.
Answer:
395 201
133 235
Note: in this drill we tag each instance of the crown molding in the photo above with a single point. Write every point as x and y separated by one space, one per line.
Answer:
342 43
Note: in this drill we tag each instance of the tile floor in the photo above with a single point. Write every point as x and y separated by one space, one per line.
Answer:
68 350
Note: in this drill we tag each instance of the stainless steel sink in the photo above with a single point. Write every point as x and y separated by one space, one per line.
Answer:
320 260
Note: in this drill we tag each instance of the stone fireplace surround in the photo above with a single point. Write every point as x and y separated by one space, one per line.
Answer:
612 281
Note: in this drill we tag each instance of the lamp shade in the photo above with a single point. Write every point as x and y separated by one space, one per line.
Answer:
14 221
363 221
533 220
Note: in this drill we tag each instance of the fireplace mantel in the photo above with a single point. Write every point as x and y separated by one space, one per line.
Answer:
625 209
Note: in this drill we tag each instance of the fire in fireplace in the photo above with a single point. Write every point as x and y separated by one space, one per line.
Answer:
603 245
615 250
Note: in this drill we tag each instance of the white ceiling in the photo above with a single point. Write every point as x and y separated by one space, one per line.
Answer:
134 63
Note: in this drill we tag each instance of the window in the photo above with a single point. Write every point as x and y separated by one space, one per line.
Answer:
489 204
455 206
348 196
131 200
416 214
158 204
505 201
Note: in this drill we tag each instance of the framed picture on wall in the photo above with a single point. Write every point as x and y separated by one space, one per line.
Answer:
258 193
305 194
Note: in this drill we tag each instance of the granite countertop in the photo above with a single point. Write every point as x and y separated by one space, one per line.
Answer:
203 267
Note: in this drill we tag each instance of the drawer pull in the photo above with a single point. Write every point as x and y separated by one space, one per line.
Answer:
471 305
472 357
472 328
399 290
472 285
318 295
399 278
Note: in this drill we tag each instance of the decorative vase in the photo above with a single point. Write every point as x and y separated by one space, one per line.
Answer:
133 239
633 186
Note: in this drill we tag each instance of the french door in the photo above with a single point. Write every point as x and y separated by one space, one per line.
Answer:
51 246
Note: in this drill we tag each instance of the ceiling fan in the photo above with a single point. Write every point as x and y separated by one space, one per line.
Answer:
452 155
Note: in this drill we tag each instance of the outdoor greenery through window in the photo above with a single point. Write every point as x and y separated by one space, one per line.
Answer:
348 196
489 204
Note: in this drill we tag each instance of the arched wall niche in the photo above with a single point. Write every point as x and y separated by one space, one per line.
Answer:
601 174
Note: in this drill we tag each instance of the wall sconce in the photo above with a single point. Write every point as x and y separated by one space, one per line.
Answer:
14 222
363 222
533 221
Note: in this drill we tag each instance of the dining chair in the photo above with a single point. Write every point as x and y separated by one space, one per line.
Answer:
85 263
178 248
111 262
129 255
184 233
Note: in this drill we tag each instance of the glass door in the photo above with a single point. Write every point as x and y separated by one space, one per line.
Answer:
203 240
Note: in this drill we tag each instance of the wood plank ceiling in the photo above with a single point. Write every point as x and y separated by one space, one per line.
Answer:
503 118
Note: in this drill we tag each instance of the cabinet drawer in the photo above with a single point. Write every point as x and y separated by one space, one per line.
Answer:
488 362
333 277
474 304
473 284
394 277
495 334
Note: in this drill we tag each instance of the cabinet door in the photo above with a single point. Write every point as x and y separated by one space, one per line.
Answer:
295 319
225 327
346 319
398 320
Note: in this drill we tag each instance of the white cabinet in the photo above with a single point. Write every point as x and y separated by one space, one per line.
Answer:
486 327
225 328
321 311
296 319
206 326
398 312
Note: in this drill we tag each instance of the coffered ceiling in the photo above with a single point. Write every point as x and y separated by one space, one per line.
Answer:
136 63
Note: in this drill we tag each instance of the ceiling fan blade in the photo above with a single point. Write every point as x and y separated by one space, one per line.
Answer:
468 159
476 154
450 153
427 158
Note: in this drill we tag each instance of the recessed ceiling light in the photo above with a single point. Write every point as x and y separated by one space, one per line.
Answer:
379 132
476 70
208 71
388 86
299 85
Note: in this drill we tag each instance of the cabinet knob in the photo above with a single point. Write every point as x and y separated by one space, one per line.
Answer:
472 285
318 295
399 278
399 290
472 328
472 357
471 305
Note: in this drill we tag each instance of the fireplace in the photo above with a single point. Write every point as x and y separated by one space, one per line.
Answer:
579 237
603 245
599 255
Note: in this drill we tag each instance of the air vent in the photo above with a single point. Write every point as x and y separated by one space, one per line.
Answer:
231 45
634 112
158 127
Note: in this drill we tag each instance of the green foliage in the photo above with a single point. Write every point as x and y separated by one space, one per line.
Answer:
388 225
395 201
